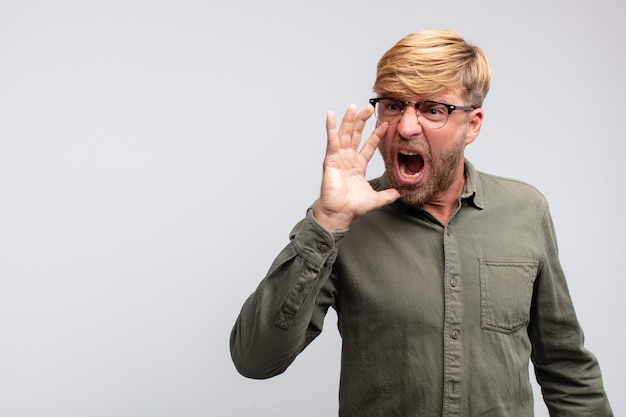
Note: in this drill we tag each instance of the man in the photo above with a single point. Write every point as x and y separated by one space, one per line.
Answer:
446 280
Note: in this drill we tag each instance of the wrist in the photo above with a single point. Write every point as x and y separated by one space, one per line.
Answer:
331 221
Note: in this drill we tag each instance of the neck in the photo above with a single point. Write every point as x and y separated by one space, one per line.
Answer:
443 206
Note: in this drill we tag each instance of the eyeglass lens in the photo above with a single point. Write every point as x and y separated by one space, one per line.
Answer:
430 114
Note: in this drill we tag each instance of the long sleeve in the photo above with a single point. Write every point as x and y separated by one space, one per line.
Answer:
431 314
286 312
569 375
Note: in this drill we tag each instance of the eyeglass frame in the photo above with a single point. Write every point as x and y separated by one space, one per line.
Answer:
416 104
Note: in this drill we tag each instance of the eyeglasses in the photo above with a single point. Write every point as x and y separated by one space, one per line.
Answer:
430 114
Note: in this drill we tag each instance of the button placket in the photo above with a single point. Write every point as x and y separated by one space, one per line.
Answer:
453 347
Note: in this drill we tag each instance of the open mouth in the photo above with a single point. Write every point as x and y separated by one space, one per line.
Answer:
410 165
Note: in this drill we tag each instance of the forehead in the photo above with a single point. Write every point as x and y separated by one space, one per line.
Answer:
452 96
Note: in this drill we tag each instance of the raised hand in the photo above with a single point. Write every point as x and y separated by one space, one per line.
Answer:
345 193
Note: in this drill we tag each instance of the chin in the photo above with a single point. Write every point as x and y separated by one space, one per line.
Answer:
413 195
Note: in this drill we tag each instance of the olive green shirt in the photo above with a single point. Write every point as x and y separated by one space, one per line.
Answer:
435 320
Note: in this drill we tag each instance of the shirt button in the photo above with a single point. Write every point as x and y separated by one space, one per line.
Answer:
448 232
455 334
323 248
453 282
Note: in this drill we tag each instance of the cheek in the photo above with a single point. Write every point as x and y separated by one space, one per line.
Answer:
441 142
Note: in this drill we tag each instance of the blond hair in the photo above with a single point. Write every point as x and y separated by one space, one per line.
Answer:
424 64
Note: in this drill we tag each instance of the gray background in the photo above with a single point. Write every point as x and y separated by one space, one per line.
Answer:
155 154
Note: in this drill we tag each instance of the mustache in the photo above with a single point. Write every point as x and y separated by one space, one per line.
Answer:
413 145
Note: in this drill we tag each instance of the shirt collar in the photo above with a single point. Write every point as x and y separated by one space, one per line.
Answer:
473 189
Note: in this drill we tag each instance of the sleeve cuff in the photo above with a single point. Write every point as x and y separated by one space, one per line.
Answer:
316 244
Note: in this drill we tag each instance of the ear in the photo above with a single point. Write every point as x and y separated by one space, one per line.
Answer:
474 122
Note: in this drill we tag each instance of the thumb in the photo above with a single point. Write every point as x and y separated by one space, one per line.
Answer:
387 196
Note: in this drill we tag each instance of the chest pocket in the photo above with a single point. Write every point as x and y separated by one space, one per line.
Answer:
506 289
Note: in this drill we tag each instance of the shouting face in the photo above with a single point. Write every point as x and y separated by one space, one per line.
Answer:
424 164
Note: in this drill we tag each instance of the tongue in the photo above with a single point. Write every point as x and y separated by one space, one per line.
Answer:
414 164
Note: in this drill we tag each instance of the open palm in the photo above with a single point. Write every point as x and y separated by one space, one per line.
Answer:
345 193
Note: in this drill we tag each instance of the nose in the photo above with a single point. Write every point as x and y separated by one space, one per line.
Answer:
409 125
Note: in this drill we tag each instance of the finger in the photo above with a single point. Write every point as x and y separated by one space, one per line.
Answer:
332 140
347 126
371 144
359 125
381 198
387 196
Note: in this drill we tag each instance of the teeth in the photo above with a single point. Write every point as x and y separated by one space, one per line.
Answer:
410 174
404 163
